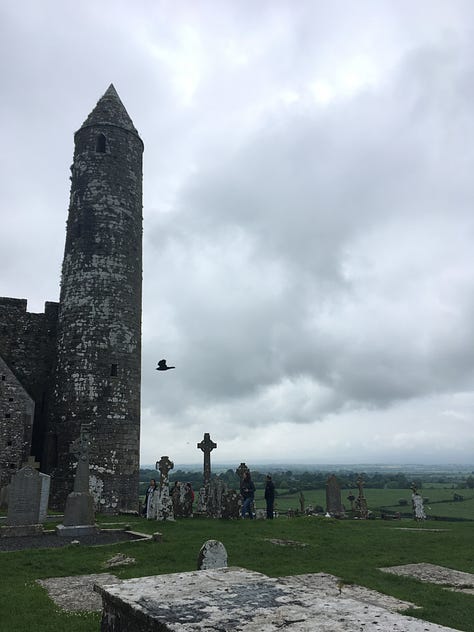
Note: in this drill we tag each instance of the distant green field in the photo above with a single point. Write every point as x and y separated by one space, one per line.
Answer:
440 501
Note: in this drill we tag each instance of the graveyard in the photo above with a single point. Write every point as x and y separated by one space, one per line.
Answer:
344 567
351 550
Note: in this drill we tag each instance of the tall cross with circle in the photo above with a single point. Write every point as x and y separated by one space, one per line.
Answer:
164 465
81 449
207 445
240 471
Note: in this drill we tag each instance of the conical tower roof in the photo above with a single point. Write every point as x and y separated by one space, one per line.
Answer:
110 110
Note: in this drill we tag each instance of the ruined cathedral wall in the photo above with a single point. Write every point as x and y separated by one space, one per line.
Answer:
27 346
16 424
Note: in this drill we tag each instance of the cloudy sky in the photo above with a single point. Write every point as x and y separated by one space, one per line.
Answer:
308 213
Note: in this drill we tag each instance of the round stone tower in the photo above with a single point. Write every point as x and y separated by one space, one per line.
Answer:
97 378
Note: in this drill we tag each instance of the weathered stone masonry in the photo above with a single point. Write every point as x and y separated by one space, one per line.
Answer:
96 376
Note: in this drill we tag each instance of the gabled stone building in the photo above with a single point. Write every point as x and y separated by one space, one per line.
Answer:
80 361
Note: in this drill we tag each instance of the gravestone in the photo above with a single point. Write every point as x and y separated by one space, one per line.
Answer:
216 500
361 502
333 497
79 517
4 491
24 503
182 497
164 509
207 445
212 555
417 504
45 484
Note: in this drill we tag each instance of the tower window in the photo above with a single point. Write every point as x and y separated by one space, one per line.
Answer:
3 378
9 443
113 370
101 144
7 415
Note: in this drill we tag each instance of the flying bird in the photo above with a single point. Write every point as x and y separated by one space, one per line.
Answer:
162 366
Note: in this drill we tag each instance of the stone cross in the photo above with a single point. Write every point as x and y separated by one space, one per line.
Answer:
80 448
32 462
164 465
240 471
207 445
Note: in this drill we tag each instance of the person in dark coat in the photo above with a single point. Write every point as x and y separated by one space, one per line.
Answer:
269 496
247 491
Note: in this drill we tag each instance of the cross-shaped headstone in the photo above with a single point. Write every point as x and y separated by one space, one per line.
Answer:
207 445
32 462
80 448
240 471
164 465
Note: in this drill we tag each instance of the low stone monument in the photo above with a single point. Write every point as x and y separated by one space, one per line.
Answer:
212 555
79 517
231 599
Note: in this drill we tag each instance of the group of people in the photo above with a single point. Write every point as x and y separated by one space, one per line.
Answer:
247 491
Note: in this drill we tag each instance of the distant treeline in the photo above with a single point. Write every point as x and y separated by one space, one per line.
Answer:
292 482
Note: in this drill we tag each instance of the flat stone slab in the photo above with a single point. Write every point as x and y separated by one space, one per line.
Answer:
236 599
330 586
448 577
76 593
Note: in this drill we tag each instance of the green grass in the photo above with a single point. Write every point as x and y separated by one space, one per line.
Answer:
352 550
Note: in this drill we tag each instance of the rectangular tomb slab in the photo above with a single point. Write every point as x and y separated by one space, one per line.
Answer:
240 600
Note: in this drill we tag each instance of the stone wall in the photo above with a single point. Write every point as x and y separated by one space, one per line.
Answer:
16 424
27 346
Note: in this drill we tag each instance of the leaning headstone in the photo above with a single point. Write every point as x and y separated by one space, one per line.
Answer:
333 497
24 503
79 517
212 555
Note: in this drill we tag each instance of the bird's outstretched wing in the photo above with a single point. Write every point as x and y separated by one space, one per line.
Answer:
162 366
